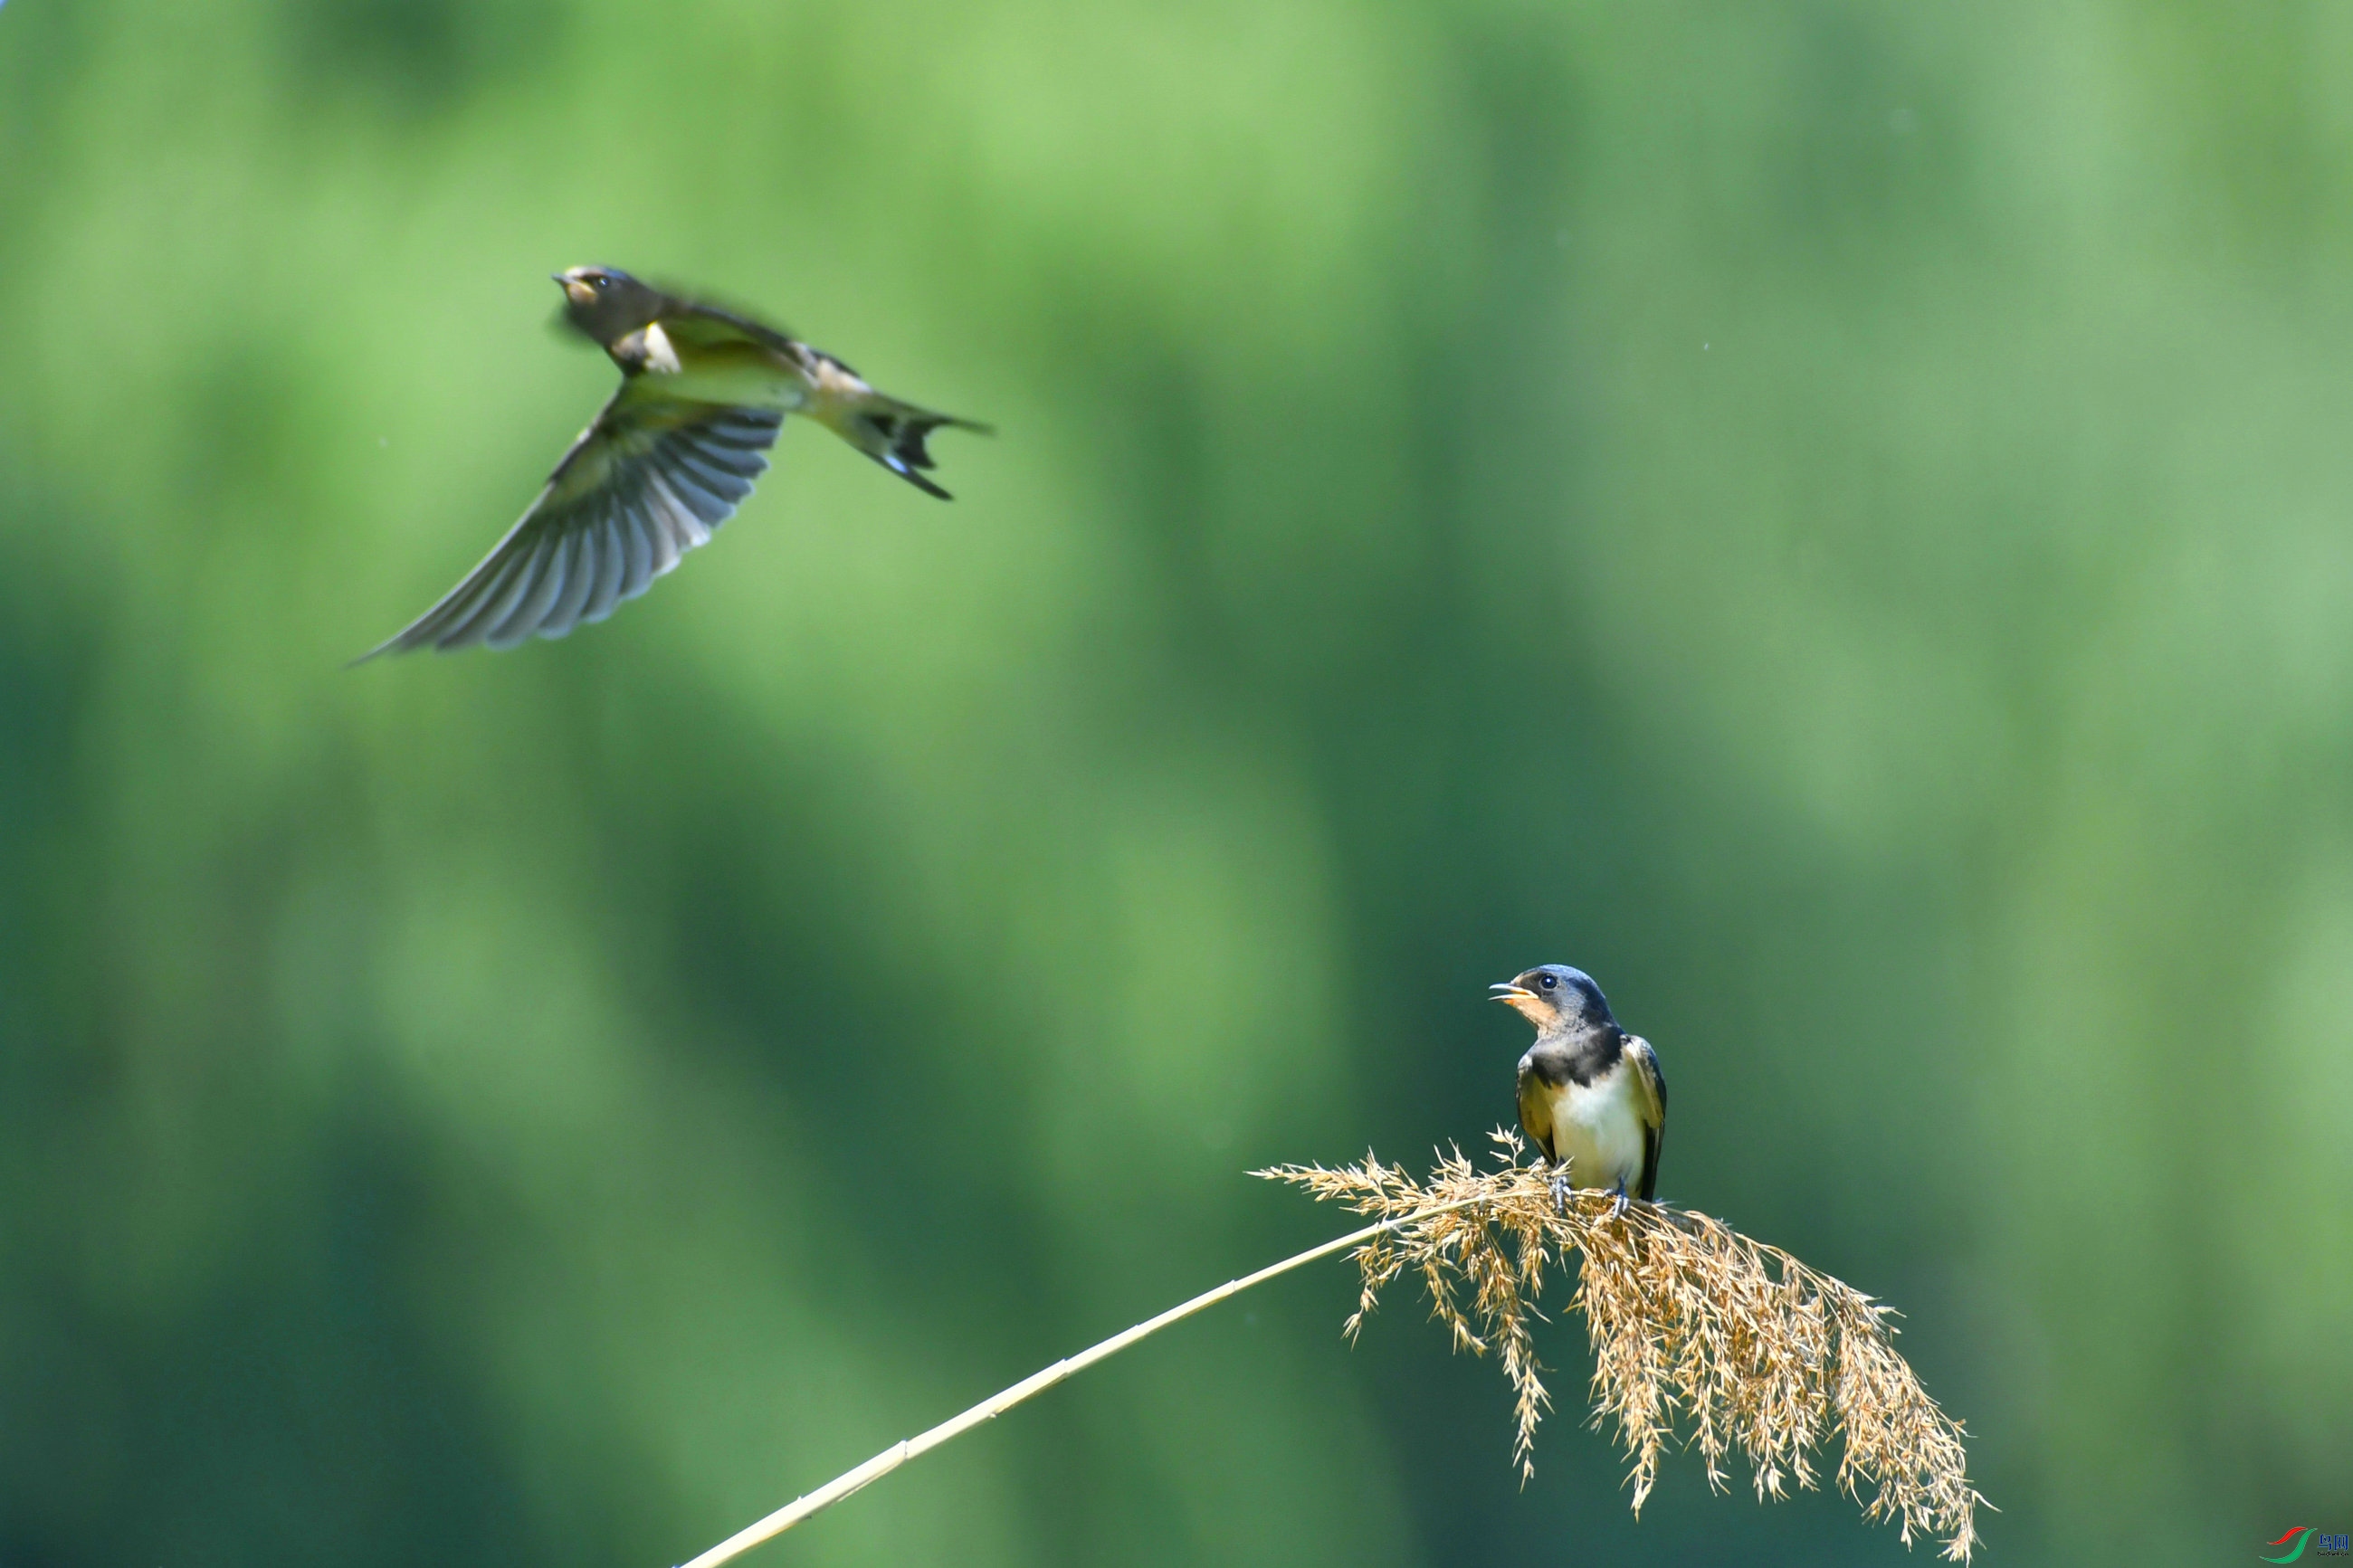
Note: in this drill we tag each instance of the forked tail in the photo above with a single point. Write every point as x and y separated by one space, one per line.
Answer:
892 433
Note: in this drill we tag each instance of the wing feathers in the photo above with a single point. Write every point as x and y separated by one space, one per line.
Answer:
499 600
579 580
537 584
641 552
612 568
695 492
657 530
1652 1083
653 479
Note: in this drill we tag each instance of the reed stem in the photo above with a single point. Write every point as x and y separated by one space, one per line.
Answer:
1037 1382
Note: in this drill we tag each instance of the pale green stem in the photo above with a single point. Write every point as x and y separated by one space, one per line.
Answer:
898 1454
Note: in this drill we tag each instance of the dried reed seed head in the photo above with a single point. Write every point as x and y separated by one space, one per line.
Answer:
1693 1325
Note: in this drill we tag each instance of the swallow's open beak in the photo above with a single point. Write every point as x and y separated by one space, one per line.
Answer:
1511 990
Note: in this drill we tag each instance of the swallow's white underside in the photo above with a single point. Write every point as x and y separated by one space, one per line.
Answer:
1598 1128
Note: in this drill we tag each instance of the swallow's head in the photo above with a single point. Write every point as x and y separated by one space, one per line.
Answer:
1553 998
605 303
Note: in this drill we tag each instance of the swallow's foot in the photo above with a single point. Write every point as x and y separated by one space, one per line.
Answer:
1618 1210
1560 1189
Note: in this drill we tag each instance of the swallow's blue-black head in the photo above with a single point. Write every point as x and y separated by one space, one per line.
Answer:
1553 996
605 303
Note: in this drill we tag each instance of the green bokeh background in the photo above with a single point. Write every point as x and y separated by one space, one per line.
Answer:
1832 516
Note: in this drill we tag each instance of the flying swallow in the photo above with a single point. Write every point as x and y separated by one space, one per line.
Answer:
1591 1096
703 392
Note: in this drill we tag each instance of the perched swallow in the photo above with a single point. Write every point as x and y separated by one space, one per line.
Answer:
703 392
1591 1095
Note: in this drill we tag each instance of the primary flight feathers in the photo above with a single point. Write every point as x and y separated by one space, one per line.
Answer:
703 392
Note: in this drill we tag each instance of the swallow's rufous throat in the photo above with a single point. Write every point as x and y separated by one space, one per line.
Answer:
703 392
1591 1095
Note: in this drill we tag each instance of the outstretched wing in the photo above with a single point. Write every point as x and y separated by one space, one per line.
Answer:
648 481
1652 1083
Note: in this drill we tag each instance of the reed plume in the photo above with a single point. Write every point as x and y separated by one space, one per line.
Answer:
1693 1325
1689 1320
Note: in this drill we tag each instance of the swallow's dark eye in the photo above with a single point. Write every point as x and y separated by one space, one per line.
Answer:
1547 983
601 283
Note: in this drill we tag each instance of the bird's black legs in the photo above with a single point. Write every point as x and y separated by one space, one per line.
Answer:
1618 1210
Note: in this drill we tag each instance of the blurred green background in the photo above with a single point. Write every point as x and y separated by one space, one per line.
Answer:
1834 517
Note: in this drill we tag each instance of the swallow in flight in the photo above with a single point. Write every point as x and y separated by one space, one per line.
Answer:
1592 1098
703 392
